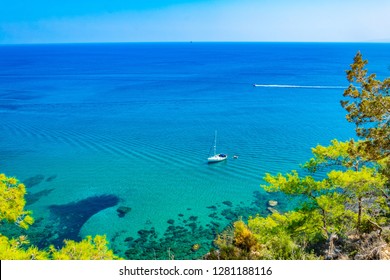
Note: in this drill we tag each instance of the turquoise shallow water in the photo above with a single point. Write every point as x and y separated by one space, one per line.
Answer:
92 128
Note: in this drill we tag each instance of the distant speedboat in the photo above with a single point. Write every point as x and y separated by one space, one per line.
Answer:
216 157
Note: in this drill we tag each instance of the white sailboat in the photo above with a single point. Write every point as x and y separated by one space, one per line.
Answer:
216 157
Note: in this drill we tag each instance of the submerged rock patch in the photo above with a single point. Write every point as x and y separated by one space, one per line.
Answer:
228 203
72 216
122 211
33 181
51 178
34 197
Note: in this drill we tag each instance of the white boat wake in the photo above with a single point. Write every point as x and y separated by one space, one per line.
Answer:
298 86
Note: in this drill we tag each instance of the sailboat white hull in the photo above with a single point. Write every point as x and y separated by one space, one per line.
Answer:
217 158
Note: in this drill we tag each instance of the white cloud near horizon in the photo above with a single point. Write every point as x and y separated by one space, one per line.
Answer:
331 21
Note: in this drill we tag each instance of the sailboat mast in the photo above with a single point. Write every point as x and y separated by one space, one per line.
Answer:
215 143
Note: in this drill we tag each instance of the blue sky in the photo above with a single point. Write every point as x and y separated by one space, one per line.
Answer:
48 21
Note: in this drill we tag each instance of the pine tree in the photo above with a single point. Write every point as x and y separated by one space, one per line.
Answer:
368 106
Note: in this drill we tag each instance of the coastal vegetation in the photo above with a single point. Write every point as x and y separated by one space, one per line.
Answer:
345 213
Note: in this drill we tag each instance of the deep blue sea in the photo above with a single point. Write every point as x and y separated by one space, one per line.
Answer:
114 138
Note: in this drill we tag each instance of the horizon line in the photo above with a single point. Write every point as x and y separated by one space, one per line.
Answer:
202 42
